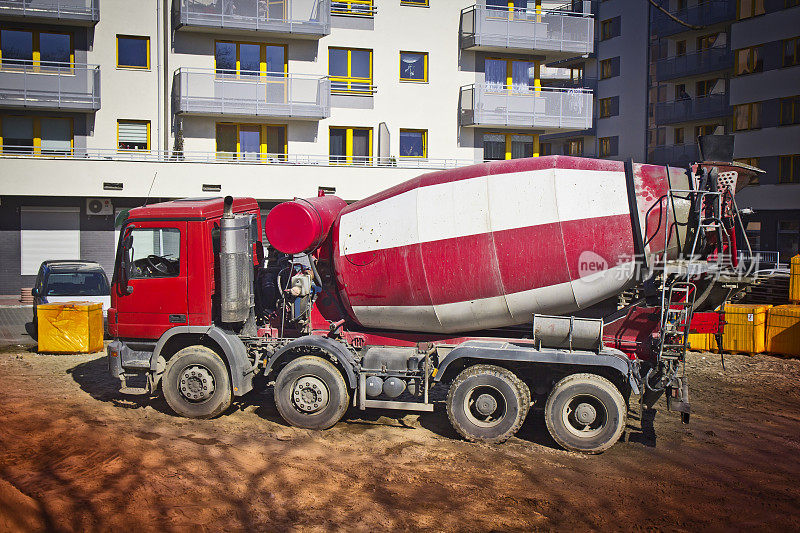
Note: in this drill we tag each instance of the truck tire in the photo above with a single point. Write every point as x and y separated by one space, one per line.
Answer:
487 403
311 393
585 413
196 383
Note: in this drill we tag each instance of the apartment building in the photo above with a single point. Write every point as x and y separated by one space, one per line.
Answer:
733 69
106 104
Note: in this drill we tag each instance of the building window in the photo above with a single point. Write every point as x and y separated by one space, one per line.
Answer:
350 70
574 147
545 149
609 68
608 146
707 129
747 116
790 111
500 146
608 107
133 134
749 8
678 133
749 60
509 75
680 48
249 59
705 42
753 232
413 143
788 238
415 3
251 142
791 52
704 87
36 135
413 66
789 169
352 146
357 8
41 49
133 51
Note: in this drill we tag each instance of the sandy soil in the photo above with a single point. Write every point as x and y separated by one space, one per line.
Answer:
77 456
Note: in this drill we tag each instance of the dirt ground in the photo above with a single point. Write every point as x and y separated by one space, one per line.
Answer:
77 456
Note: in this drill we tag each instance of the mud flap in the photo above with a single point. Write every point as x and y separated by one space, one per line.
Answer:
678 398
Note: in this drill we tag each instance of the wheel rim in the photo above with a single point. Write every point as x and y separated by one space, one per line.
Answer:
485 406
310 395
196 383
584 416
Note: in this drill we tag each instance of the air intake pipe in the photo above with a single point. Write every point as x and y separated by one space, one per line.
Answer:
236 266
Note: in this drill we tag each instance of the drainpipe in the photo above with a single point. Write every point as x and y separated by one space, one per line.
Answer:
159 143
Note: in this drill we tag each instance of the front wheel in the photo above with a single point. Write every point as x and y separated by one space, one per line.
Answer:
196 383
311 393
585 413
487 403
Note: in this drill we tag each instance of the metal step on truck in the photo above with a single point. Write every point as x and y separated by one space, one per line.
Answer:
467 280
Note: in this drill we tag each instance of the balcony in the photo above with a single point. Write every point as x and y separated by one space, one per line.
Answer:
695 64
549 109
248 94
45 85
73 12
702 14
705 107
309 19
676 155
558 34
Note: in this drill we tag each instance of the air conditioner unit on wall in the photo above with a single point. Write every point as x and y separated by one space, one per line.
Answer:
99 206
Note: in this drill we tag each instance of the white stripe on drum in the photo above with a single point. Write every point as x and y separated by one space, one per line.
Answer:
481 205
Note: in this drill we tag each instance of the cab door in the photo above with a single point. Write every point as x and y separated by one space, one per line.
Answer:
156 262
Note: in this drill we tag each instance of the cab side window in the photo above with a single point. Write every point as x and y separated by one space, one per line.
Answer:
155 252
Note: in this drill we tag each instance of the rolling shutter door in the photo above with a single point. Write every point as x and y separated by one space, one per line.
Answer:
48 233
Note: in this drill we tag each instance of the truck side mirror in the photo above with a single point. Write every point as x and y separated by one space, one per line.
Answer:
35 291
127 263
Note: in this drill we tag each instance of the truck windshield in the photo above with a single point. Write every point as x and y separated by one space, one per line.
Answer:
77 284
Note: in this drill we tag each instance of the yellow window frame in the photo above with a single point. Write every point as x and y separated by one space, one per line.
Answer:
37 133
133 121
262 140
425 77
146 38
36 53
345 7
349 79
349 143
262 63
424 143
537 66
507 135
415 3
512 8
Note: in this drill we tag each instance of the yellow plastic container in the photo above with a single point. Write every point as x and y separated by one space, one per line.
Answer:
783 330
70 327
745 328
794 280
702 342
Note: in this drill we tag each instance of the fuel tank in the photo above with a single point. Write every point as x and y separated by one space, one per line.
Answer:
487 245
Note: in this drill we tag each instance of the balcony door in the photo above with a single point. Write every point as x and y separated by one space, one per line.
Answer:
251 71
251 142
510 75
500 146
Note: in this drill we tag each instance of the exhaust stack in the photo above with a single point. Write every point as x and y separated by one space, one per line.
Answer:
236 267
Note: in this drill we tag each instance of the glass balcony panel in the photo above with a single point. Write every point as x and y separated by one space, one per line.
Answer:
677 155
701 14
50 85
207 92
710 60
689 109
70 11
300 18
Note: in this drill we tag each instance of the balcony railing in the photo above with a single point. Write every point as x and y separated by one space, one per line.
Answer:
49 85
678 155
704 107
299 18
72 11
549 108
701 14
271 94
256 158
562 33
694 64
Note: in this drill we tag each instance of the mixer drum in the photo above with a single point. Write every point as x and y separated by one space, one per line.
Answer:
488 245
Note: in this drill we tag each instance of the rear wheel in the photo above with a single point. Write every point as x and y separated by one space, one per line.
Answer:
311 393
196 383
585 413
487 403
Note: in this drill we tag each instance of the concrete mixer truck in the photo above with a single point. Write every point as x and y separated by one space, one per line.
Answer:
469 281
